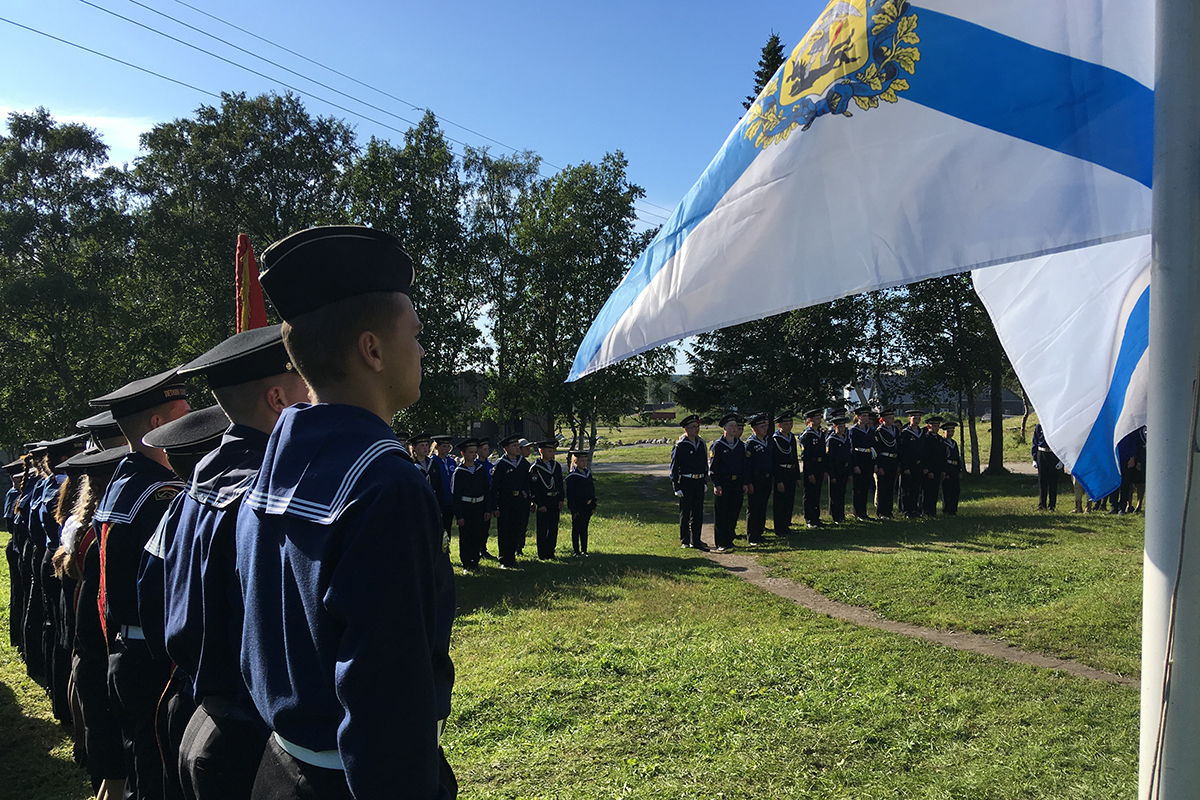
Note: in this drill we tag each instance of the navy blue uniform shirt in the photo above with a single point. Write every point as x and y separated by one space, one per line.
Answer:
758 459
728 465
349 599
812 451
690 459
546 483
581 491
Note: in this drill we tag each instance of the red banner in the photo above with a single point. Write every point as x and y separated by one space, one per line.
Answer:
251 311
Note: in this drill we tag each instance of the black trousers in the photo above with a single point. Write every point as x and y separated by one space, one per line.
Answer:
784 506
812 496
910 492
726 510
470 537
951 488
220 754
35 615
756 509
135 683
691 511
1047 480
510 529
885 488
175 711
929 493
837 496
281 777
547 530
16 597
864 482
579 530
101 732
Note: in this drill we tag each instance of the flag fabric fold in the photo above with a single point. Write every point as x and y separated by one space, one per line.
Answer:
1076 327
251 311
901 142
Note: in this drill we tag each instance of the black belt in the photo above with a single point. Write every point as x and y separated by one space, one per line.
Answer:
862 449
886 453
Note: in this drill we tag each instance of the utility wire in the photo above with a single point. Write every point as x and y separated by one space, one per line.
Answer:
252 71
112 58
339 73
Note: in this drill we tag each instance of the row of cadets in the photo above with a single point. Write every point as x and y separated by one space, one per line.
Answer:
546 491
185 441
508 500
689 471
136 498
731 480
580 489
812 465
759 470
348 590
253 381
785 472
469 491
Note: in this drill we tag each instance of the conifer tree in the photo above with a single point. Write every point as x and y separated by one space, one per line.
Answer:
768 64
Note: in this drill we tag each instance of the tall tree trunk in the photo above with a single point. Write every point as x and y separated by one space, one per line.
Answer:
996 457
973 431
962 448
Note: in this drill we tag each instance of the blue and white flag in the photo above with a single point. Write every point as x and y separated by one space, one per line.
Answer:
1076 327
901 142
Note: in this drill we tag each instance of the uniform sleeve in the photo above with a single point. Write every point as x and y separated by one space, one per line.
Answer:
152 581
675 467
393 591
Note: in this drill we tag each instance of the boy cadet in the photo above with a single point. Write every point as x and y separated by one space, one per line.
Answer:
546 488
911 449
581 500
1047 468
128 513
348 588
953 470
785 472
185 441
812 465
526 450
727 467
758 467
469 490
508 500
887 463
444 463
932 464
483 461
419 447
837 447
689 471
862 461
253 380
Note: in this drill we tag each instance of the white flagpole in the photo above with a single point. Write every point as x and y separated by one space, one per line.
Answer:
1170 718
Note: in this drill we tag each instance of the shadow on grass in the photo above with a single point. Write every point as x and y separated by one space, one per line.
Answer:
27 767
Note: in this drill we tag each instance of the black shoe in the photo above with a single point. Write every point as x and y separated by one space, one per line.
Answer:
701 546
486 555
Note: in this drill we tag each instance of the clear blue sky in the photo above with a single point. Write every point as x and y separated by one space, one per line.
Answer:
662 81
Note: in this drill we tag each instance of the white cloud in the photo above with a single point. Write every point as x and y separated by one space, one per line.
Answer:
119 133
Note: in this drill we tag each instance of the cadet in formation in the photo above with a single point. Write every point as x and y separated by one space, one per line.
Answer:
689 479
546 489
469 489
727 467
862 462
758 467
812 465
509 500
785 472
838 463
580 490
953 470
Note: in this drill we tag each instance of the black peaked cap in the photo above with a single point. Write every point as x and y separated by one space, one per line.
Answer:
14 467
548 443
142 394
100 458
315 267
465 443
688 420
243 357
423 436
507 440
97 421
192 434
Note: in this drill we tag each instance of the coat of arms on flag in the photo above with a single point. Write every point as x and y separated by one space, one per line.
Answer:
857 51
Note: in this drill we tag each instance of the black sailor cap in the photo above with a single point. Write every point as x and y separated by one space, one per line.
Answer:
688 420
511 439
101 426
15 467
196 433
93 459
315 267
142 394
243 357
420 438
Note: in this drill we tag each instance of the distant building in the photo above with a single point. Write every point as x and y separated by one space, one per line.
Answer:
904 391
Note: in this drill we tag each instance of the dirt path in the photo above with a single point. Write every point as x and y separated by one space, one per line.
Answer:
748 569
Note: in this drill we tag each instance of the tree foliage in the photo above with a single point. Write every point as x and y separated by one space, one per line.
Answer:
769 62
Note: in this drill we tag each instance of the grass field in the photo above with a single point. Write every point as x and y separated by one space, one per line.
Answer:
646 671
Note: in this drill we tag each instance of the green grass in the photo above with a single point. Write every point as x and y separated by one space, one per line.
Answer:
647 671
1064 584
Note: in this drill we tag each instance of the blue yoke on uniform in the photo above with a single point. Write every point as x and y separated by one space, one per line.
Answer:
349 601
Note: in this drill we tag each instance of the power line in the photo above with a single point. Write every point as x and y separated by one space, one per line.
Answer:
241 66
111 58
339 73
